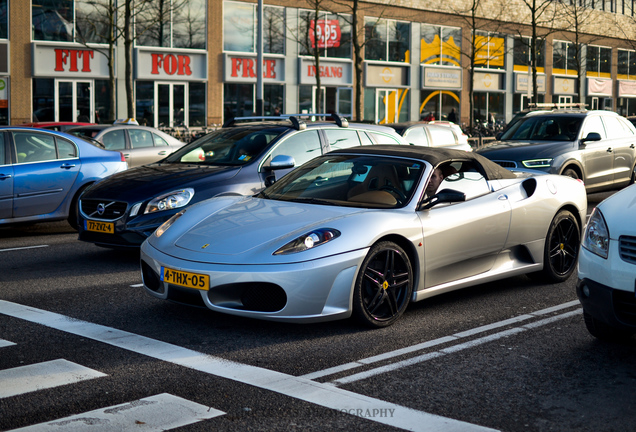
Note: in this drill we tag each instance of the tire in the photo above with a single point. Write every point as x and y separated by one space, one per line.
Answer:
561 249
571 173
73 209
384 285
603 331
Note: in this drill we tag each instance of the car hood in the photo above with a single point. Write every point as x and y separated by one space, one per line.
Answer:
523 150
618 212
247 230
149 180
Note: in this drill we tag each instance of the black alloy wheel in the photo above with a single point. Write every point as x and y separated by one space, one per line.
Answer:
561 247
384 285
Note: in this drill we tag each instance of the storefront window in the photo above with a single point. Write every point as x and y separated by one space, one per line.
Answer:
43 100
196 113
333 34
490 49
145 102
387 40
440 45
52 20
437 104
598 61
239 99
4 20
626 64
102 101
522 54
239 28
386 105
564 58
172 23
486 104
93 20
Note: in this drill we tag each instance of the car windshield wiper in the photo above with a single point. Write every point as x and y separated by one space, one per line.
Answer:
310 200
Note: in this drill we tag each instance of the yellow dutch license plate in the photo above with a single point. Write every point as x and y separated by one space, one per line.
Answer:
100 227
190 280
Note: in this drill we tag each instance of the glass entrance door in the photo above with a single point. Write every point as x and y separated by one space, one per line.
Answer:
565 100
170 105
74 101
345 101
386 106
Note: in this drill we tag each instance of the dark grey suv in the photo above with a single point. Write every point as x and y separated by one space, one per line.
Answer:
239 159
598 147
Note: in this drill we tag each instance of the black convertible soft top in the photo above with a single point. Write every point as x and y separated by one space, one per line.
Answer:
434 156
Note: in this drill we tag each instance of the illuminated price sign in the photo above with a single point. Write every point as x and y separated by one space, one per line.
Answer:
326 31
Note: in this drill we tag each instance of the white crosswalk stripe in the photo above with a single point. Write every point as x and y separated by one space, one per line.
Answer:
39 376
155 413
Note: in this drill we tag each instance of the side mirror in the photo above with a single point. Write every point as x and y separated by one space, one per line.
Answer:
282 162
443 196
592 136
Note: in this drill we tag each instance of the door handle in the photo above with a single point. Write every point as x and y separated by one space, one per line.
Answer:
502 197
5 176
163 152
631 146
126 155
609 150
68 166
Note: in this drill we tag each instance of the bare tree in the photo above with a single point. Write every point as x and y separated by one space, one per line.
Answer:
359 39
475 48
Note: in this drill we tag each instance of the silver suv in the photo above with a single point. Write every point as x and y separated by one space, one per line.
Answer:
598 147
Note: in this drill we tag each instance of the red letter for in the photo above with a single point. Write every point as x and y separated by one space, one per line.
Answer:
156 63
184 65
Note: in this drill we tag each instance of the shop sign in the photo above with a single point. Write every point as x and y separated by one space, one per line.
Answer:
488 81
386 76
68 61
626 88
4 97
599 87
565 86
522 80
441 78
243 69
331 73
170 65
326 31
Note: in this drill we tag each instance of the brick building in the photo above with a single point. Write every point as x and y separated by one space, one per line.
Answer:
195 63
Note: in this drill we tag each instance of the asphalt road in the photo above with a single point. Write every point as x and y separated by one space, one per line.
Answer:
512 355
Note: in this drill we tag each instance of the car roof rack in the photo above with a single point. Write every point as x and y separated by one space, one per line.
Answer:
297 124
558 106
341 121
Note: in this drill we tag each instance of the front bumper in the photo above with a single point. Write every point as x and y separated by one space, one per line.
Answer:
313 291
606 288
128 234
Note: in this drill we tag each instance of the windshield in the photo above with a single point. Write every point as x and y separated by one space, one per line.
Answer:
350 181
230 146
545 128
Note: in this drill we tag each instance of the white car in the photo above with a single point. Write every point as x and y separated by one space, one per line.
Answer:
607 268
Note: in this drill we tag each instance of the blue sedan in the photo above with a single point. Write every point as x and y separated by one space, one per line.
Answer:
43 173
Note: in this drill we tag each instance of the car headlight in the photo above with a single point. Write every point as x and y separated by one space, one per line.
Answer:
167 224
596 238
537 163
169 201
308 241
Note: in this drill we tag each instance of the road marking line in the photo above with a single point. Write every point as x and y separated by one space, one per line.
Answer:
439 341
23 248
30 378
5 343
156 413
324 395
452 349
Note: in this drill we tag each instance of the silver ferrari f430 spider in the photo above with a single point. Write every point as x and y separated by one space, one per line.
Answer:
365 231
